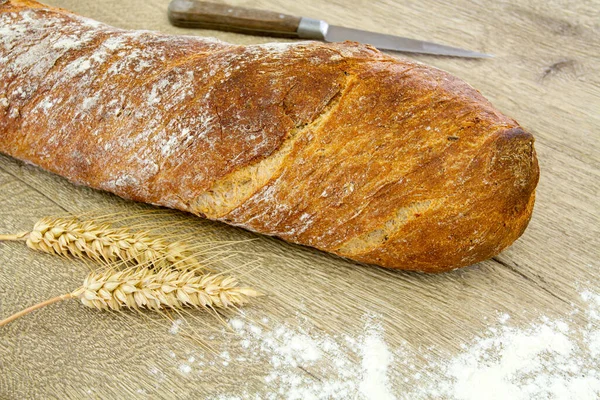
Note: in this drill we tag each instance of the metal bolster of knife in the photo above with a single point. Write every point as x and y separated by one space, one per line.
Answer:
310 28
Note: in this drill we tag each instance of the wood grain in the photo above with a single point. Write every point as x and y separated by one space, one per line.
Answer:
544 75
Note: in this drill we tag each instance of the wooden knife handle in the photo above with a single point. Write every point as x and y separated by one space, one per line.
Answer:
222 17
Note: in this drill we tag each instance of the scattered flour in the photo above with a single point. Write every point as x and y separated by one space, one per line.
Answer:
236 324
594 343
185 369
68 43
289 351
539 362
547 359
175 326
376 359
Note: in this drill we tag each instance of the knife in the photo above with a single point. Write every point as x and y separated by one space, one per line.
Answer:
222 17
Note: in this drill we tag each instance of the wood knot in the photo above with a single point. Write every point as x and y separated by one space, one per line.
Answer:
557 67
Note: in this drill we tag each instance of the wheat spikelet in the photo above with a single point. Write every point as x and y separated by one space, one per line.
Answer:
103 242
140 287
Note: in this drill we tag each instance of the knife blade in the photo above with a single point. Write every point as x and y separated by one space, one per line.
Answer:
206 15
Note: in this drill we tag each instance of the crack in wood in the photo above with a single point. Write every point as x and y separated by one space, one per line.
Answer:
310 373
514 269
2 168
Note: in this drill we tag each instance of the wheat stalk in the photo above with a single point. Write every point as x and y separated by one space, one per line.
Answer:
102 242
140 287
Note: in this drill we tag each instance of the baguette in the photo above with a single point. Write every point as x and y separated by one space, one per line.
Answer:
334 146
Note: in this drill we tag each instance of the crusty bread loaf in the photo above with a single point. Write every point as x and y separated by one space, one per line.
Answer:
335 146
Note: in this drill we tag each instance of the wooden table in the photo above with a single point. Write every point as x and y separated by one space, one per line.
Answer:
544 74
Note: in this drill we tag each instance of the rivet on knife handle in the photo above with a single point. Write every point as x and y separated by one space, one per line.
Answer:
223 17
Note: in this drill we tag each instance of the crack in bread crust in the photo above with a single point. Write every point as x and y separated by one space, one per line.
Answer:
230 192
376 237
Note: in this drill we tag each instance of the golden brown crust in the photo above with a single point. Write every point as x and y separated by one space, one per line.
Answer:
335 146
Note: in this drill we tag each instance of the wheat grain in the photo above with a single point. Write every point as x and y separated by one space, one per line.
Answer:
140 287
103 242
